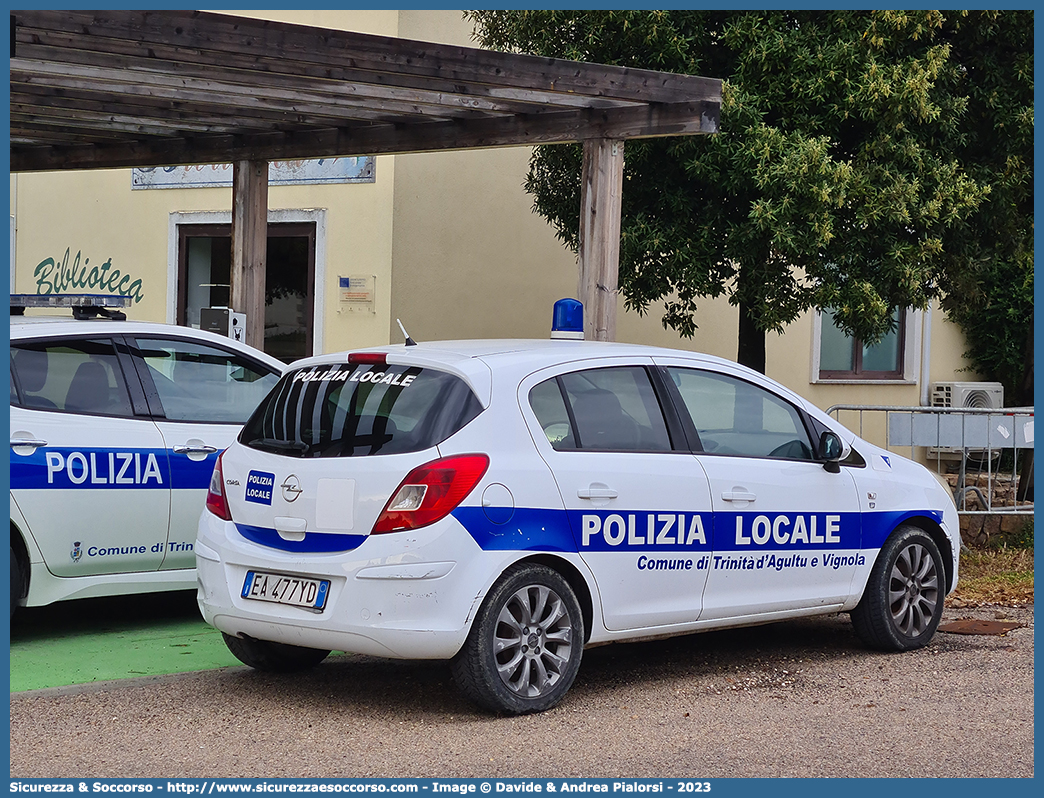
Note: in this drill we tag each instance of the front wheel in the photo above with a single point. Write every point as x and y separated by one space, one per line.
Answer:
524 648
264 655
16 580
903 600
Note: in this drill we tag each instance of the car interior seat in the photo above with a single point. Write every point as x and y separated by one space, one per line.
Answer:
89 389
31 367
603 423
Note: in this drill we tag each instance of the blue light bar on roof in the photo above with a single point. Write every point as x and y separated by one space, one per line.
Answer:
567 321
84 306
70 301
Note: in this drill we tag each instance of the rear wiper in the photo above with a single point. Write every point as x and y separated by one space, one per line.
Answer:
279 445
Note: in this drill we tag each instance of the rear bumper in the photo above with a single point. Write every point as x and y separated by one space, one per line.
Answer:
408 595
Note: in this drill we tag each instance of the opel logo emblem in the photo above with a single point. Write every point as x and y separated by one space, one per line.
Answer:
291 488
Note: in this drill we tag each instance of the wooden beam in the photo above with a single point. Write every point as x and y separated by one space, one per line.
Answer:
335 100
275 73
601 192
377 139
250 245
203 33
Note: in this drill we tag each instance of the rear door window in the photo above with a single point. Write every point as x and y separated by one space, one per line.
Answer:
75 376
611 409
345 410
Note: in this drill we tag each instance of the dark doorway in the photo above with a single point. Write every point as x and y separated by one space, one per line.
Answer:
204 265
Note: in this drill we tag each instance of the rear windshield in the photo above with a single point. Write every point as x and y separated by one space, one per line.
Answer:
342 410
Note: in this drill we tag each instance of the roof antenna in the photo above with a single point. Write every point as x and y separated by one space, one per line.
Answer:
406 335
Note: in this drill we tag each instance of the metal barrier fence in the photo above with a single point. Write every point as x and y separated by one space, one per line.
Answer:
986 455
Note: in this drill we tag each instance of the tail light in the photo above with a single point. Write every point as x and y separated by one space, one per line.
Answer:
216 502
431 492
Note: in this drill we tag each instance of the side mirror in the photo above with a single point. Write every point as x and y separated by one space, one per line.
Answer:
829 451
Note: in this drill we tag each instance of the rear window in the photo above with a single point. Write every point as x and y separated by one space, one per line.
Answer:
342 410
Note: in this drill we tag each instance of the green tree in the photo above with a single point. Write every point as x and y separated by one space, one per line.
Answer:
990 289
834 181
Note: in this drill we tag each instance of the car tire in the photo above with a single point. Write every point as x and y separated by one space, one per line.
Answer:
523 651
903 600
16 580
264 655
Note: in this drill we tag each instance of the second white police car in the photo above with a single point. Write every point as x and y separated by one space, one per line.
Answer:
503 504
115 428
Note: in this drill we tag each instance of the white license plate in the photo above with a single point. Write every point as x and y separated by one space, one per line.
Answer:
294 591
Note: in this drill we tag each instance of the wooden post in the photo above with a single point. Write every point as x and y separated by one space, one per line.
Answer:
250 245
600 200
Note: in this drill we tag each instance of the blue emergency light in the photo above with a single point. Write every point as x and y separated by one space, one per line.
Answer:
567 320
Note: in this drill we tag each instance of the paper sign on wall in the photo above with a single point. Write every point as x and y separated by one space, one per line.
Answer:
357 292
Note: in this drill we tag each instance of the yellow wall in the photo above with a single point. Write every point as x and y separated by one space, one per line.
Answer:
451 237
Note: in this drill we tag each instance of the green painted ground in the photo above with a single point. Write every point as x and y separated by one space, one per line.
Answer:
93 640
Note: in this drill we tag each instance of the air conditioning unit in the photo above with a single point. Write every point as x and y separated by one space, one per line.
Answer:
984 395
987 395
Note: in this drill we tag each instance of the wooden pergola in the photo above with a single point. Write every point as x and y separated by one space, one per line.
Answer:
111 89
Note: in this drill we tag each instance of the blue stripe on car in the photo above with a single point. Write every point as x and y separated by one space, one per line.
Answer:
531 529
313 542
109 469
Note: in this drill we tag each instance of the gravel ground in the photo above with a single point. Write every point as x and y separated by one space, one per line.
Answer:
795 699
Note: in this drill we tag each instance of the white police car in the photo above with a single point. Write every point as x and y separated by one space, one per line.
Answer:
115 428
505 503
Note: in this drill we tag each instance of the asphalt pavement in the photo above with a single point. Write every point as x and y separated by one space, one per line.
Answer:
794 699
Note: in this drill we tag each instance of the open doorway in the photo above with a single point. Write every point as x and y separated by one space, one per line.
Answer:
204 266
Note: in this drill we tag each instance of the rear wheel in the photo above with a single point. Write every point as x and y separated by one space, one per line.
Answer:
903 601
264 655
524 648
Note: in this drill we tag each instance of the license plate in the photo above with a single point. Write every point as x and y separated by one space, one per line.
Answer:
294 591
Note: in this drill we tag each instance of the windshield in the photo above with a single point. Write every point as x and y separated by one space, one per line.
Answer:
343 410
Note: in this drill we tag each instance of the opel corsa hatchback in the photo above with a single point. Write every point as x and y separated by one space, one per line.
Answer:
503 504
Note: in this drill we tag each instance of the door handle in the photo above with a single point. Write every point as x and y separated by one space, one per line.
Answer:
597 493
194 449
738 496
28 442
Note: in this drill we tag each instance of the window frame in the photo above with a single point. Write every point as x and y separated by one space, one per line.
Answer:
910 332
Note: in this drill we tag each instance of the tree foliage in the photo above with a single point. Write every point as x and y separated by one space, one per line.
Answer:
990 291
839 178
